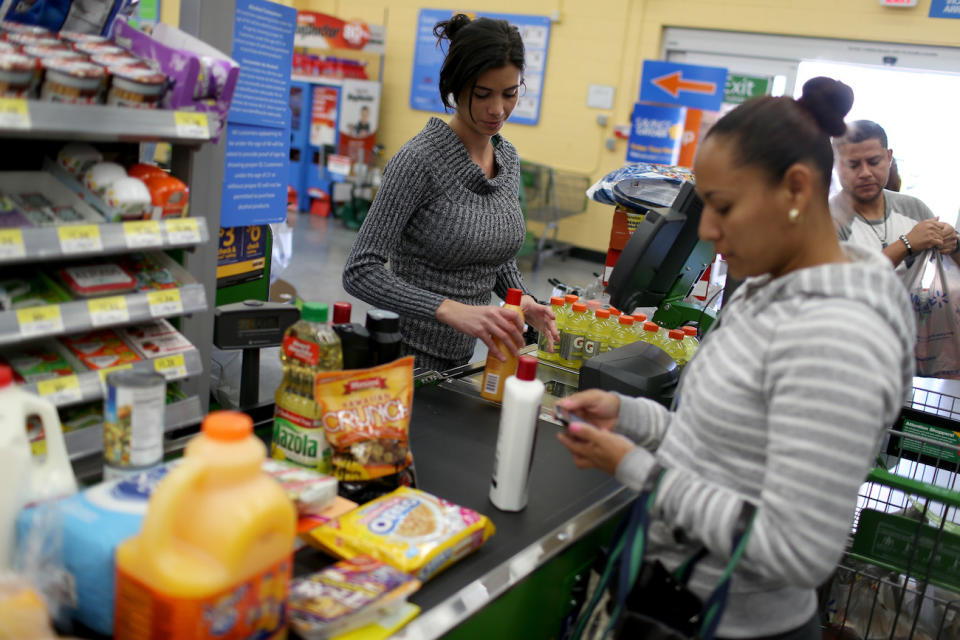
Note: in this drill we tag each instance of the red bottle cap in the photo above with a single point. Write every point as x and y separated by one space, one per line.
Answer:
341 312
614 312
513 296
627 320
640 317
6 375
676 334
652 327
526 368
579 307
690 331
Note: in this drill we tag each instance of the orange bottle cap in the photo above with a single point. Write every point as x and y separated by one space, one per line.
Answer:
652 327
603 313
579 307
640 317
614 311
570 298
556 301
690 331
676 334
627 320
227 426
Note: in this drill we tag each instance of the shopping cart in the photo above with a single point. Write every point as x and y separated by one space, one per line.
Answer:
900 577
551 195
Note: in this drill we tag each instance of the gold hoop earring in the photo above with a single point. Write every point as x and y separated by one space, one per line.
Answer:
793 215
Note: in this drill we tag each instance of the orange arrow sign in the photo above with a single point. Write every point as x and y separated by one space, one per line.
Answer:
673 83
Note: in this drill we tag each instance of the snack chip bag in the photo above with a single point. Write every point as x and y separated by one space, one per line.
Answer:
410 529
347 595
366 418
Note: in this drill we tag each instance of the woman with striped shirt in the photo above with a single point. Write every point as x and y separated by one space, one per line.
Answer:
786 401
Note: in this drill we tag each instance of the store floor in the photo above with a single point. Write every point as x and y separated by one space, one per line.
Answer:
321 245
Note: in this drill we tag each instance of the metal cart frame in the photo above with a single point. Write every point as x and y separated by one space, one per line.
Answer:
551 195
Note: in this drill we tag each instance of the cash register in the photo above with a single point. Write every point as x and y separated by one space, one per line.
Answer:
659 266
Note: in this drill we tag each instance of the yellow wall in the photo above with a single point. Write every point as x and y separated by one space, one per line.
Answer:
605 42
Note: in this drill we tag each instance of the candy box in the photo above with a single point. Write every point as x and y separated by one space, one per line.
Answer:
101 349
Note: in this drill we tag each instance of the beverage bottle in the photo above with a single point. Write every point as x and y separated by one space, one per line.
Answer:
385 338
675 347
354 344
23 478
341 312
690 342
310 346
214 554
496 371
623 334
653 335
571 344
568 301
598 334
518 431
639 318
556 304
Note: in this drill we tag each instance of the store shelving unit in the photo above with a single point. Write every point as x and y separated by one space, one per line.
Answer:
190 302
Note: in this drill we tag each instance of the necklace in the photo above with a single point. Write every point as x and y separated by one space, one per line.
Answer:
883 238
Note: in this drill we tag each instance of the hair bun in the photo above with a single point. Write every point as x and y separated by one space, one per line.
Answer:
828 101
450 28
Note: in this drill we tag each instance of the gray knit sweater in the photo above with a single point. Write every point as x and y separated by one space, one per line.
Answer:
784 405
447 231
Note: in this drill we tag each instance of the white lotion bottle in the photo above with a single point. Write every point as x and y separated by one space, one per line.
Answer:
522 394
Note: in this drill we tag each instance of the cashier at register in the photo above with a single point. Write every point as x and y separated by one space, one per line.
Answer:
786 401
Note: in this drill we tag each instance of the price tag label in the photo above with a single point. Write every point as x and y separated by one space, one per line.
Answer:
107 311
11 244
165 303
183 231
80 238
103 373
35 321
191 125
61 391
172 367
142 233
14 113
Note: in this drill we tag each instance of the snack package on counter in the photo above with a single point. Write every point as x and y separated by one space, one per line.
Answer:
22 288
155 339
101 349
40 361
150 274
311 491
347 595
410 529
366 418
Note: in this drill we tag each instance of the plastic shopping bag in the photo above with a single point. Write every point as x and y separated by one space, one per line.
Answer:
938 318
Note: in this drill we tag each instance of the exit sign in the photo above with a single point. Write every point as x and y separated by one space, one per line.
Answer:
740 88
899 3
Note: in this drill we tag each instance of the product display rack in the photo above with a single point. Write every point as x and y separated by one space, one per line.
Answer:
190 301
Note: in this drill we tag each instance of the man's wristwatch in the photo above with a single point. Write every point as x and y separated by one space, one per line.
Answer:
906 243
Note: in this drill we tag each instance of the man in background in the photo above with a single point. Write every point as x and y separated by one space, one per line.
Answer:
867 214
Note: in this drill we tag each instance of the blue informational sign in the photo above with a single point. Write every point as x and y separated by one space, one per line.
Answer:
685 85
428 58
258 126
945 9
255 175
656 133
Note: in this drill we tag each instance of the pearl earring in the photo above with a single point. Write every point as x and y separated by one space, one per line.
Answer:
794 215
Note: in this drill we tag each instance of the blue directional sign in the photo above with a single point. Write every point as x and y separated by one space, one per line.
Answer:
945 9
685 85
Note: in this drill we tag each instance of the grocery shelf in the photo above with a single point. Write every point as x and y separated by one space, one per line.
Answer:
89 441
88 386
38 119
30 244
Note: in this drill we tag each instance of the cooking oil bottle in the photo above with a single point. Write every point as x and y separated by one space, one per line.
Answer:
310 346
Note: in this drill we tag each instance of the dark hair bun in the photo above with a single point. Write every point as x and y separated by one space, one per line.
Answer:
449 28
828 100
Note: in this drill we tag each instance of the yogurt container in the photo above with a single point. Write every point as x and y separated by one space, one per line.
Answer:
136 87
99 48
76 36
21 40
72 81
16 75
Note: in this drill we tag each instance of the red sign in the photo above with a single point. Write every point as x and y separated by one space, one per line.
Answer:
323 116
323 31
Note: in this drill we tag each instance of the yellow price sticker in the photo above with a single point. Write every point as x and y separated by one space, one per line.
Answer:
112 310
11 244
80 238
60 391
183 231
142 233
190 124
14 113
172 367
39 320
103 373
165 303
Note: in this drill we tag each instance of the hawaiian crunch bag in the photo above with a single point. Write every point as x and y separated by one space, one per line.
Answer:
366 418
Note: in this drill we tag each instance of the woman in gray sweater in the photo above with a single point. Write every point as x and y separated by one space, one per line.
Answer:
447 217
786 401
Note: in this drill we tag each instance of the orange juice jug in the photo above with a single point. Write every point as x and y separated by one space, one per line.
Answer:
496 371
213 558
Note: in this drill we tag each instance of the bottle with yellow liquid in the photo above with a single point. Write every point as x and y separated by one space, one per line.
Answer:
690 341
310 346
623 334
675 348
497 371
598 335
654 335
556 305
571 344
213 558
